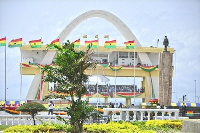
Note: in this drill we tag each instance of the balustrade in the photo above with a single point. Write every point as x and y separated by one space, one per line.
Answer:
27 119
116 114
151 113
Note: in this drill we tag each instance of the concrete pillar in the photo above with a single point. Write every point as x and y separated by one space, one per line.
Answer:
147 93
45 89
106 100
165 78
128 101
191 126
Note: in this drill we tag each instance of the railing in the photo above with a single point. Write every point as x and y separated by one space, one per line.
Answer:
116 114
27 119
151 113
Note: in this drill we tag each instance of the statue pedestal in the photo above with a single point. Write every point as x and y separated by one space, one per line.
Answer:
165 78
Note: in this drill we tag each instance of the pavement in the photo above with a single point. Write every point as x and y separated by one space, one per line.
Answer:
4 113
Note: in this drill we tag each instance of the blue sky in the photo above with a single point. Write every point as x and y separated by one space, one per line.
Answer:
149 20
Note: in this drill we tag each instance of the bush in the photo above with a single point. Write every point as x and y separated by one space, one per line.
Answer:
28 128
151 126
3 127
164 124
111 127
32 108
38 128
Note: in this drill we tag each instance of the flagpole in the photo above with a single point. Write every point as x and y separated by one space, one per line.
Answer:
134 76
115 77
79 44
5 77
97 76
21 79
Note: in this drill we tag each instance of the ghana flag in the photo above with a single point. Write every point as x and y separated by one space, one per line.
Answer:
35 43
129 44
15 43
110 44
54 42
3 41
76 43
85 36
106 36
96 36
92 44
190 113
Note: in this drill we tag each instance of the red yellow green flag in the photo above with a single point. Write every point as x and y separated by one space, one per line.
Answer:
148 68
190 113
115 68
92 44
3 41
96 36
76 43
56 42
35 43
106 36
110 44
85 36
130 44
15 43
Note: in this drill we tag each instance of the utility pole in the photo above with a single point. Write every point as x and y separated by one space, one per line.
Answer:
195 90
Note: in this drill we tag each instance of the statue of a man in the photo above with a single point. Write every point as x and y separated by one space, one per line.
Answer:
166 43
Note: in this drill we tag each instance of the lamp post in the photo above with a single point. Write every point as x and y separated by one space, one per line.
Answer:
195 90
5 98
184 97
198 98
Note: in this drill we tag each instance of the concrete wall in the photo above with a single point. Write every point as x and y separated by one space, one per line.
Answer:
191 126
154 57
165 78
112 58
34 56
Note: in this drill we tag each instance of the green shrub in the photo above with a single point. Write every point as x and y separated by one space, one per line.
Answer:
164 124
3 127
32 108
37 128
121 127
151 126
146 131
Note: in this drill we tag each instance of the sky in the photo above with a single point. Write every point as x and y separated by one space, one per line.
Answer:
149 20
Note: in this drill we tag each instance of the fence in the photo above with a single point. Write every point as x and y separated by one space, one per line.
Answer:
27 119
118 114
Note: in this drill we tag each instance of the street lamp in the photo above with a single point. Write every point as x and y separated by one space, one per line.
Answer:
184 97
5 98
195 90
198 98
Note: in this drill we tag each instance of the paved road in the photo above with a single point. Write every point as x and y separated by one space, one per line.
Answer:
4 113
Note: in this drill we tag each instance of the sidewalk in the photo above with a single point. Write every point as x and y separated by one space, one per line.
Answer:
4 113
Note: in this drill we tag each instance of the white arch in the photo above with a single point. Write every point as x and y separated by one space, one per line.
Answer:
125 31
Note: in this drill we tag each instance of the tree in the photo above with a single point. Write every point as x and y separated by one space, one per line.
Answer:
32 108
70 78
